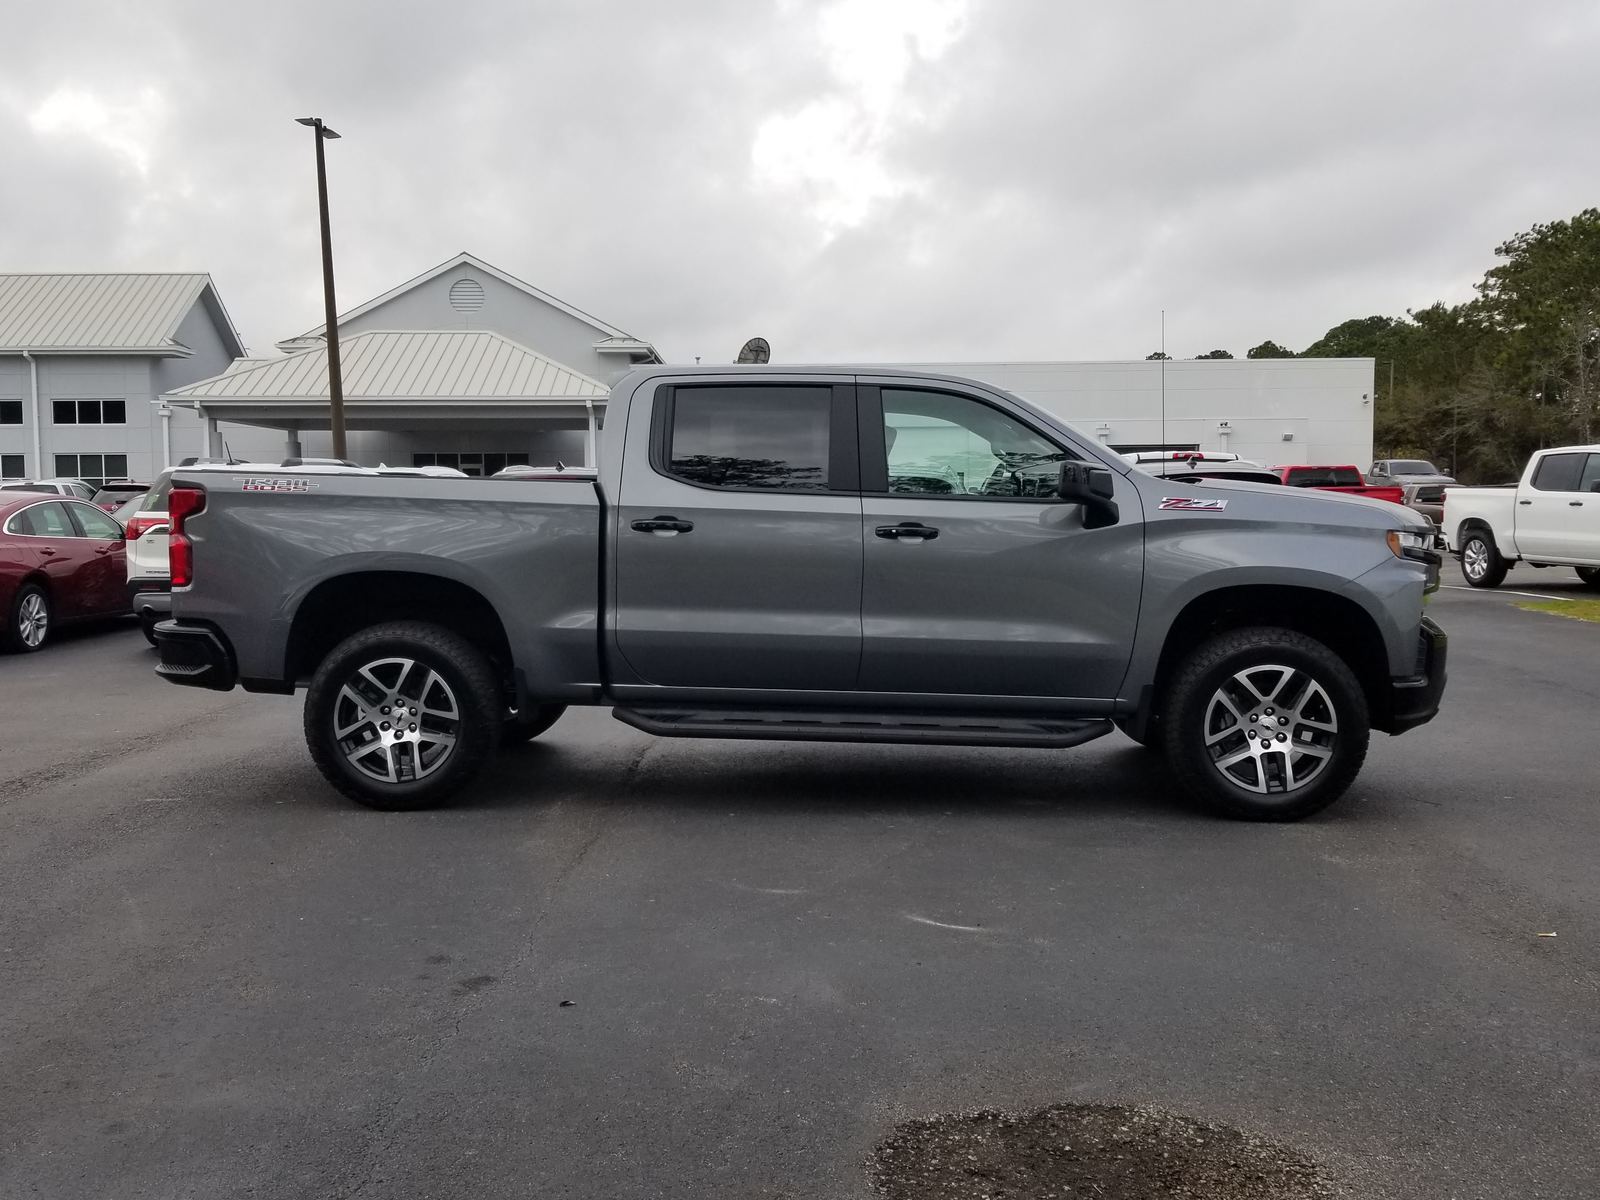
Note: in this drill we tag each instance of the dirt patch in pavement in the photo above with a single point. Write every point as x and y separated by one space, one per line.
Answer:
1086 1152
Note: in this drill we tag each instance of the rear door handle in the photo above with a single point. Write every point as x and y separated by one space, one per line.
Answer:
1524 501
911 531
47 552
667 525
1574 503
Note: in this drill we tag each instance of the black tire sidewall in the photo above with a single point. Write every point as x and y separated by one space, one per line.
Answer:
1590 577
13 638
1218 660
466 671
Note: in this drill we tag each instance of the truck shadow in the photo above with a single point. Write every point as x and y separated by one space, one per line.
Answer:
803 778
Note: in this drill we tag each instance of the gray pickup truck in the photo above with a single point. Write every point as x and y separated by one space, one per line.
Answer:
829 554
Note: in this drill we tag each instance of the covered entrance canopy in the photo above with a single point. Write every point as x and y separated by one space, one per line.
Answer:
416 382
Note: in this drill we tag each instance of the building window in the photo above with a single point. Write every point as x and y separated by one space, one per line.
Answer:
11 467
471 464
93 469
10 412
89 412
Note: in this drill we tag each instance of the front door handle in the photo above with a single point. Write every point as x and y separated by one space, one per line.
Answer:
1574 503
1524 501
911 531
666 525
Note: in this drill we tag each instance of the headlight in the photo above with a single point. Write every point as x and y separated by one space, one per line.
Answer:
1413 543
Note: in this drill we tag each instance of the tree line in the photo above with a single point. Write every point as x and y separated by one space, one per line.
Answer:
1478 386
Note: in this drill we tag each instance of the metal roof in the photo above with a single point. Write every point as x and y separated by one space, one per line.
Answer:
406 365
464 259
98 313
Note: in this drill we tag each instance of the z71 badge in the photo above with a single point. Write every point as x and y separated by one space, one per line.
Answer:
275 483
1191 504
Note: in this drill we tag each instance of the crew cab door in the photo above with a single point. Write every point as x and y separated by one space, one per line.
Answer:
738 539
973 587
1558 511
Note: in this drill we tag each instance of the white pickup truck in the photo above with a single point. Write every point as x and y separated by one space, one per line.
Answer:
1550 519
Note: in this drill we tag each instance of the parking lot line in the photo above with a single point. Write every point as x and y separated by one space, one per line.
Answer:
1461 587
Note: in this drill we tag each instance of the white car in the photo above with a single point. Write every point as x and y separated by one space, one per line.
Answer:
75 488
1551 518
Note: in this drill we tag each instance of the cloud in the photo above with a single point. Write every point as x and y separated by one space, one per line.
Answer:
862 179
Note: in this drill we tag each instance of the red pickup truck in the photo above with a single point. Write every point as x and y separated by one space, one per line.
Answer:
1348 480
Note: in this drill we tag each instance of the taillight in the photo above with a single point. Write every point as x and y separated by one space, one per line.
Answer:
182 503
138 526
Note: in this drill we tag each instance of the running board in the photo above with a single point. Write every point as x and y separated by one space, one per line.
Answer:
917 729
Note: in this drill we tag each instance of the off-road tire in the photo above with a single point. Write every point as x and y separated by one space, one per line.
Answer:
470 680
1190 696
1478 547
526 726
36 598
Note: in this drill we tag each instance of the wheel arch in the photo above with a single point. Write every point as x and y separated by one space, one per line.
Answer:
1337 621
345 604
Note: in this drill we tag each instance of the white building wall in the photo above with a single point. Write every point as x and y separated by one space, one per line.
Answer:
1283 410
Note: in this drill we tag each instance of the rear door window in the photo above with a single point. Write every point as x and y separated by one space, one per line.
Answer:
45 520
1559 472
754 438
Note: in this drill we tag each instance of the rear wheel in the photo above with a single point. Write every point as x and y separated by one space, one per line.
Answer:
1265 725
147 626
1481 563
530 723
1590 577
402 715
28 628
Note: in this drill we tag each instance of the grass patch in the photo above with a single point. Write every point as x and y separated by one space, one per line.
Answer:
1578 610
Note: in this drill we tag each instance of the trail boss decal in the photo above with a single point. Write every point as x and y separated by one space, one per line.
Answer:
1191 504
275 483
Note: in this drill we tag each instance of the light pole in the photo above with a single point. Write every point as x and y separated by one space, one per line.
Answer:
331 329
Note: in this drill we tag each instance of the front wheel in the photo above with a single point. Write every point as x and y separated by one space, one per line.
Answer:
1481 563
1265 725
402 715
1590 577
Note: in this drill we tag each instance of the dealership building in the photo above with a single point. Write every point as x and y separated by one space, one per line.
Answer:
467 366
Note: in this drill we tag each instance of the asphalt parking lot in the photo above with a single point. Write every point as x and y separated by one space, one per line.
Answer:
222 979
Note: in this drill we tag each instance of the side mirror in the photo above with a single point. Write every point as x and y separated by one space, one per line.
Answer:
1094 488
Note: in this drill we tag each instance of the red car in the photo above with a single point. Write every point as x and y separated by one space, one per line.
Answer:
61 560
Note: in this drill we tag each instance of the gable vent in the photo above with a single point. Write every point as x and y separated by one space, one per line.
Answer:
466 295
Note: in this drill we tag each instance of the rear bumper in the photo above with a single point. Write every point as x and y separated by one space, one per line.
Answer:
195 656
1415 700
153 596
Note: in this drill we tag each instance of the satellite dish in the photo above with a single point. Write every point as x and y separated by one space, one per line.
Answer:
754 351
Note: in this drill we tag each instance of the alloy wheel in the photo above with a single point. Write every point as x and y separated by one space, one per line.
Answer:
396 720
1271 729
1475 559
33 620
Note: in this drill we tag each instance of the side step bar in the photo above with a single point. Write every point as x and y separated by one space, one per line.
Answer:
918 729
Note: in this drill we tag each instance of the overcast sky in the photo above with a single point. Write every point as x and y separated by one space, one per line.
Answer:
861 179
